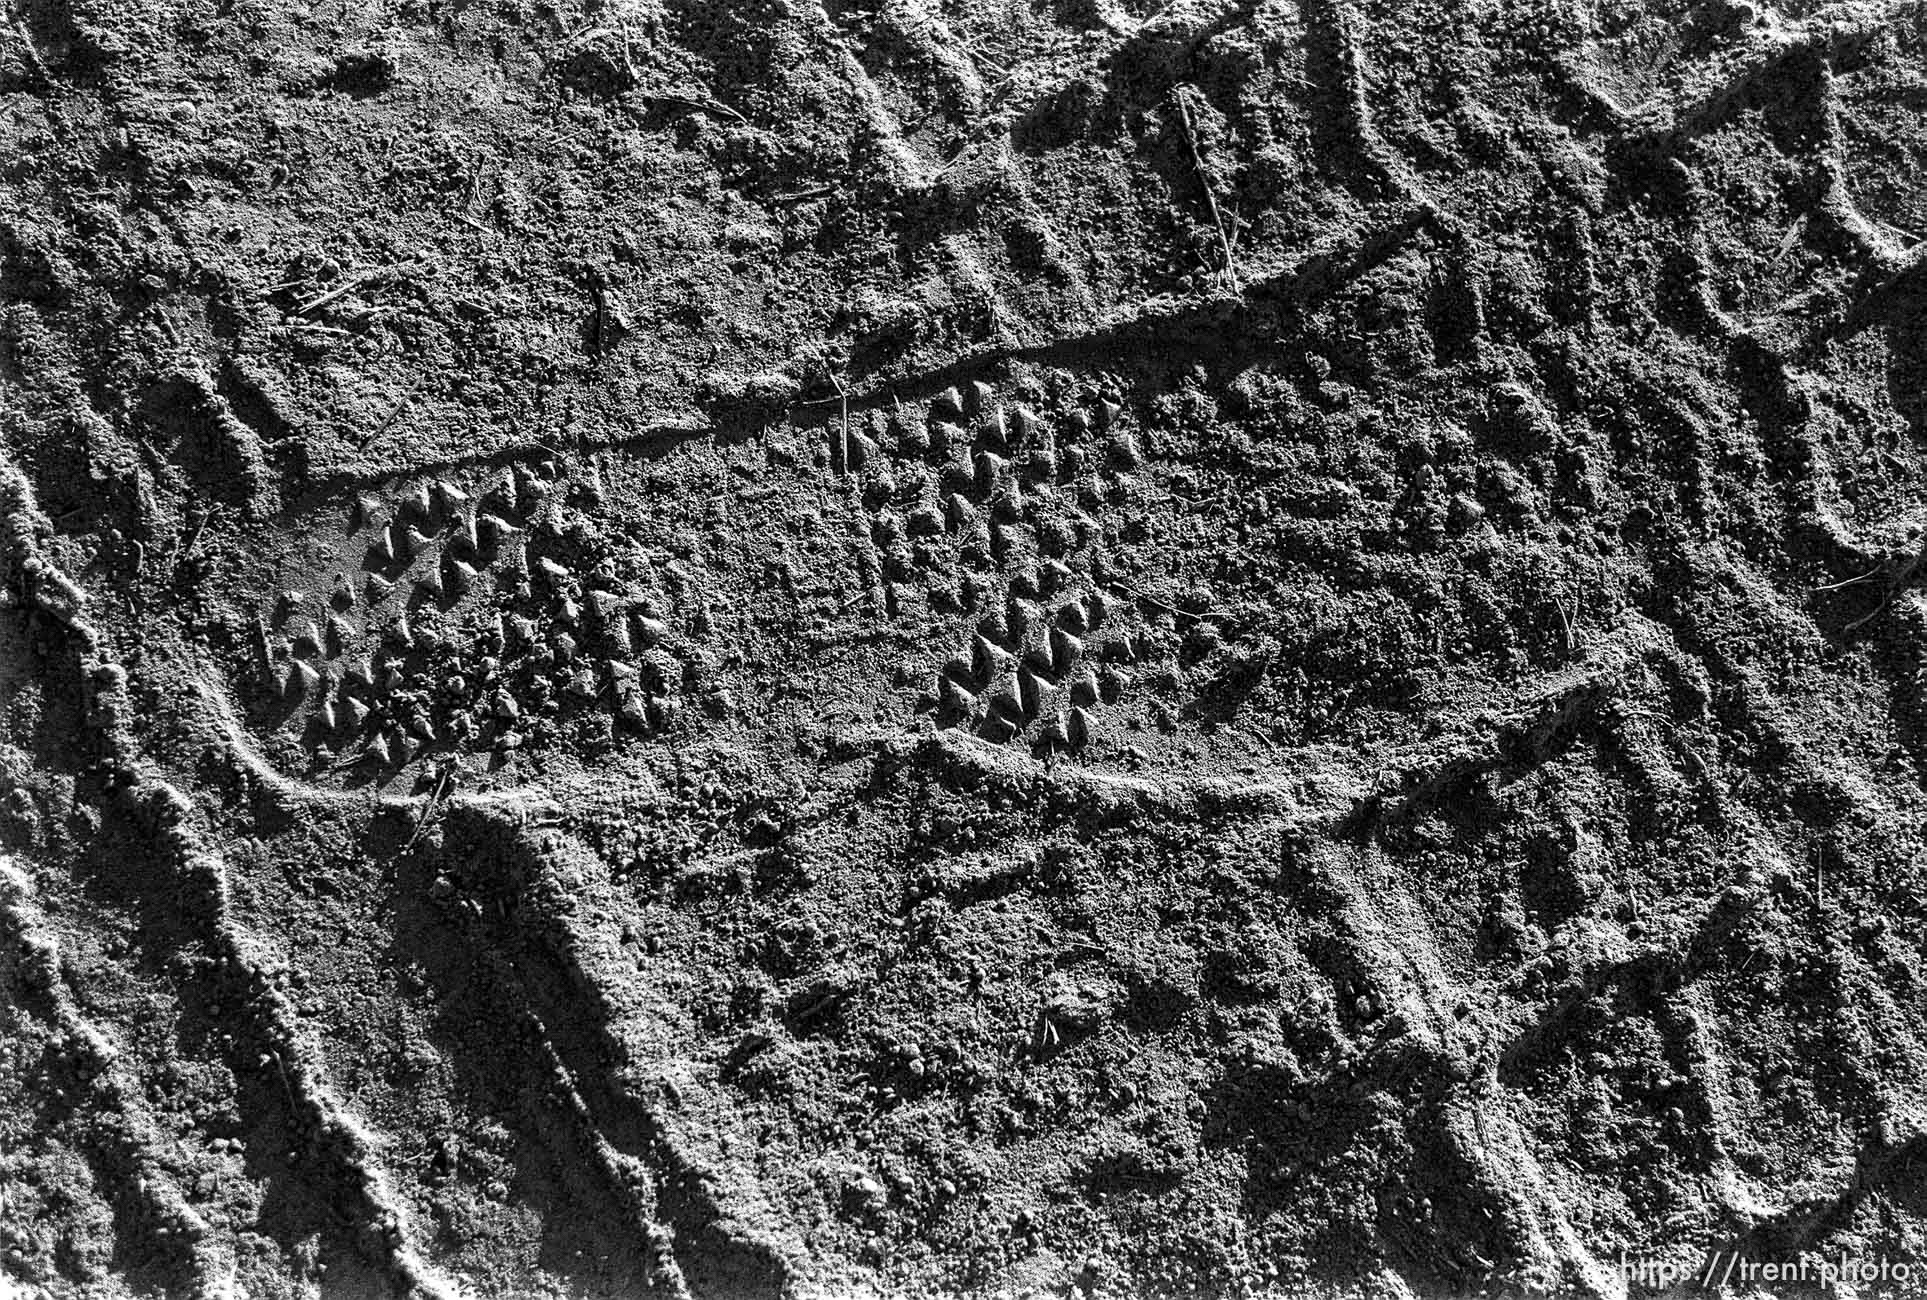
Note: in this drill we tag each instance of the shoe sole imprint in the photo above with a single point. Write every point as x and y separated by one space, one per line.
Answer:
450 621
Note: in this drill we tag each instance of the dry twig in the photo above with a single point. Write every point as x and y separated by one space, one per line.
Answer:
1204 179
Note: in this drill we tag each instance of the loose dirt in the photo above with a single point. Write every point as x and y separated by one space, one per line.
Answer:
768 648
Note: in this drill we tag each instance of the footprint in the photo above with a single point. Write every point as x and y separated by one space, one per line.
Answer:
1001 532
464 615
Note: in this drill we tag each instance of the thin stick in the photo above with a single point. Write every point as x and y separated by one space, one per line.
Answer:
435 798
32 55
352 283
1204 179
341 290
1844 583
1894 585
395 410
712 107
199 528
799 196
1173 610
843 454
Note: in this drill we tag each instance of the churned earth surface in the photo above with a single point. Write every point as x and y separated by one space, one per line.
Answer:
819 648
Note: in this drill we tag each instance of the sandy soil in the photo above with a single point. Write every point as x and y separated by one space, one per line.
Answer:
721 648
